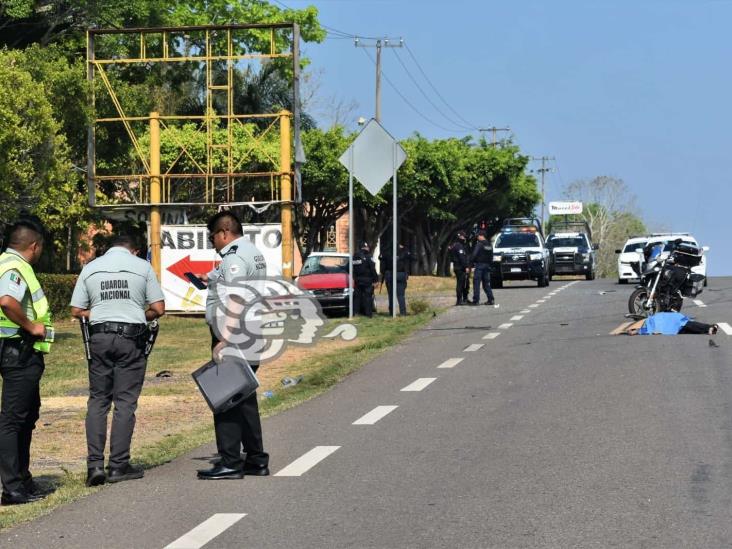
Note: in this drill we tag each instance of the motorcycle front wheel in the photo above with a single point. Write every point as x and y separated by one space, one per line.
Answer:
637 303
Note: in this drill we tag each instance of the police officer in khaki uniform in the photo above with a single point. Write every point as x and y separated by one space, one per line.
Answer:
25 334
118 293
238 426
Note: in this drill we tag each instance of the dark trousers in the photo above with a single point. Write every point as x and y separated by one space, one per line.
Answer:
240 426
400 291
116 374
21 369
462 285
363 299
482 275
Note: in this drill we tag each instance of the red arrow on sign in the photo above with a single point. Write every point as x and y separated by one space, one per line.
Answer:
185 265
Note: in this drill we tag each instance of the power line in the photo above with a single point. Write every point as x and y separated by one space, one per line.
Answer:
336 34
424 74
438 109
409 104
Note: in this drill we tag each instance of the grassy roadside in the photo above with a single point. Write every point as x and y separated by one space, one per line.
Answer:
182 346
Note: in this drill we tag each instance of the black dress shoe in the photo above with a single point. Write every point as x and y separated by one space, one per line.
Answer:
95 476
219 472
18 498
126 472
256 470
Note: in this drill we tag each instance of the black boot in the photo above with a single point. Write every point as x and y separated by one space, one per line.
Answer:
126 472
95 476
219 472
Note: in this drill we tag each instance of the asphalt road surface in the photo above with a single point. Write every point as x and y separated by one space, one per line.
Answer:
522 426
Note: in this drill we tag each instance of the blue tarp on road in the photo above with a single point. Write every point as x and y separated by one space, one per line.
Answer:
664 323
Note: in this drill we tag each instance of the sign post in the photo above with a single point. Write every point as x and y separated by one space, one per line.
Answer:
373 158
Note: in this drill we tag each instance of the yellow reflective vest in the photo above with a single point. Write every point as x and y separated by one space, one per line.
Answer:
8 328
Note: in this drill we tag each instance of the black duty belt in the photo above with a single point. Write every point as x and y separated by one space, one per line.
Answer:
119 328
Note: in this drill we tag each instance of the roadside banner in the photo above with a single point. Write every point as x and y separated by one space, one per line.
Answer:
186 249
565 208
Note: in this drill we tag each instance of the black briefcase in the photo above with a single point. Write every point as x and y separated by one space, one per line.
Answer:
226 383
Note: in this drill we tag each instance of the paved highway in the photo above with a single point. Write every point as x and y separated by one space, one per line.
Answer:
523 426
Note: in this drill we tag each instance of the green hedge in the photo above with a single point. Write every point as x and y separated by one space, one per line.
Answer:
58 289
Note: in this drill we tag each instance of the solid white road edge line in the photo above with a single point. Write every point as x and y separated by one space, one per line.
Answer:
451 363
491 335
307 461
375 415
419 384
206 531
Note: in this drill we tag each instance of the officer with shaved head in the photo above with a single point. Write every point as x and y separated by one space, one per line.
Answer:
25 336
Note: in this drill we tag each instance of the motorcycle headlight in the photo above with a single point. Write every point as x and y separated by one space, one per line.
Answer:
536 257
586 257
497 258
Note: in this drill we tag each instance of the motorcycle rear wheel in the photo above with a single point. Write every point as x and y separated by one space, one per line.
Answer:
637 303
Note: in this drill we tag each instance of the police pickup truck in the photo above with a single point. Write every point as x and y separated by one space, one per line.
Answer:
572 251
519 253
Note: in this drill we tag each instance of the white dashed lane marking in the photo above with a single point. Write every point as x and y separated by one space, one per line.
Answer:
419 384
541 301
505 326
472 348
699 303
307 461
206 531
533 306
491 335
517 317
451 363
375 415
525 311
726 328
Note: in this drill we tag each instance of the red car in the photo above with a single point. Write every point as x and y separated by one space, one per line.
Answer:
325 276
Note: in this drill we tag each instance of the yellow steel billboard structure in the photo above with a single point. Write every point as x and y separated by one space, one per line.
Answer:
216 175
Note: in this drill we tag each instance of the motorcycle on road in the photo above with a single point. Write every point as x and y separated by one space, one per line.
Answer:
666 278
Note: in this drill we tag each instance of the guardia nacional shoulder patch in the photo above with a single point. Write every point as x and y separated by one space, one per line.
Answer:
15 277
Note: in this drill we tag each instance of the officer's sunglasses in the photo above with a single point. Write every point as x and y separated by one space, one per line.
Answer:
212 236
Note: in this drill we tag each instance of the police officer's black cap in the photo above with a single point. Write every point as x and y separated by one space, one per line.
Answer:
462 234
365 246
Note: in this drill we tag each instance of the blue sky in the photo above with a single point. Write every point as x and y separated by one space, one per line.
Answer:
640 90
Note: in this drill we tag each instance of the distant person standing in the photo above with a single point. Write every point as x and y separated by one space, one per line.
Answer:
118 293
239 426
364 277
460 258
25 334
481 259
402 272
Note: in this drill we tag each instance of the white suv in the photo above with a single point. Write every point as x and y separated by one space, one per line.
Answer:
700 269
630 254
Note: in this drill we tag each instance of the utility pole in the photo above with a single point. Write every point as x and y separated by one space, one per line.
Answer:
543 170
379 43
494 131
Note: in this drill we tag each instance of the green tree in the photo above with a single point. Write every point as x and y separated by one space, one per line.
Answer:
36 172
610 211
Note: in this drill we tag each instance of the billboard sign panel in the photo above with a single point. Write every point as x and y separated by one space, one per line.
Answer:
185 248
